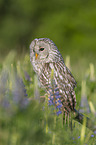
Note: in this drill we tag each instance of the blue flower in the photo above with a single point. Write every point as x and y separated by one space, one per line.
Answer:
59 106
57 97
95 132
5 103
56 89
27 77
59 101
51 98
57 93
59 112
54 99
19 92
24 103
50 102
92 135
78 137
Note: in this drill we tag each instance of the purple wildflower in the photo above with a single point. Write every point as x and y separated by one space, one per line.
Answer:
19 92
51 98
92 135
59 106
59 101
84 106
57 93
51 102
57 97
24 103
58 112
5 103
54 99
27 77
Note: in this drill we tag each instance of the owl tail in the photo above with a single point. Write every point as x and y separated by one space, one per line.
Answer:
80 118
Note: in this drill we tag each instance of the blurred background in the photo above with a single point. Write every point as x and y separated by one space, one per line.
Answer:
70 24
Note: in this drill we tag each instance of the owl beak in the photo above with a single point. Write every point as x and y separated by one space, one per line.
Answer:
36 55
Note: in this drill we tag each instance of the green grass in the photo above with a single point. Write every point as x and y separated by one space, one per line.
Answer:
26 120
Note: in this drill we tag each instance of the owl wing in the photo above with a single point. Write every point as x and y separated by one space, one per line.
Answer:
63 80
62 73
71 78
66 83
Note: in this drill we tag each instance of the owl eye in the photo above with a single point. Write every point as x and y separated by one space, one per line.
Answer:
41 49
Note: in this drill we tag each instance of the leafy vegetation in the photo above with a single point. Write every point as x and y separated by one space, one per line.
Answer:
70 24
24 119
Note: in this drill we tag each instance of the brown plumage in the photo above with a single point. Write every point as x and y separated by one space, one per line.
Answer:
45 57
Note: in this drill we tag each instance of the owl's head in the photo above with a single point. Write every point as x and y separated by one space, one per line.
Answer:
43 50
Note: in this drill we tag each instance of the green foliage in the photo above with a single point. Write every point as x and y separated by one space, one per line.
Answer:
71 25
24 119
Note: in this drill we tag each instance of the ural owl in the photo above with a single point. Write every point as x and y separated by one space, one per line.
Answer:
45 57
